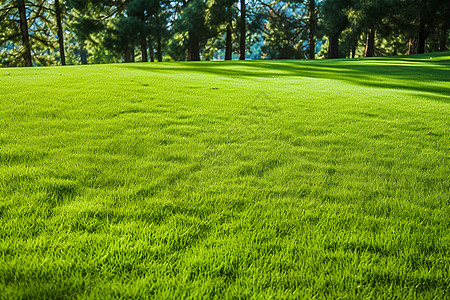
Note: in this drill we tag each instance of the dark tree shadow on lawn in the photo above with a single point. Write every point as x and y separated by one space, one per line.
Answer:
418 75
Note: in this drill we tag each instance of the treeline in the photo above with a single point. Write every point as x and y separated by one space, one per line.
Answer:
47 32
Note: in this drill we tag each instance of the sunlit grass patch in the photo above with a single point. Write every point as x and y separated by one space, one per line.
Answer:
277 179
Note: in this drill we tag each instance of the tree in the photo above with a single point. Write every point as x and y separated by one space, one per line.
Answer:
285 30
312 29
159 24
26 32
58 16
43 32
415 26
89 18
121 37
372 15
243 27
222 13
141 10
193 29
15 12
146 18
432 15
334 21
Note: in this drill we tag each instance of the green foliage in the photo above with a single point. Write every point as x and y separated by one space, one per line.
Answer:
141 20
41 31
335 16
285 30
191 29
84 26
222 11
98 31
123 34
396 23
279 179
193 19
176 47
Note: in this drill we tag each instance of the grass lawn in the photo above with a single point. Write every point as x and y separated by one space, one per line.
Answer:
265 179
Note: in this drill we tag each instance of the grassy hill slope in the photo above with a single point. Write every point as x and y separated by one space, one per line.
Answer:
280 179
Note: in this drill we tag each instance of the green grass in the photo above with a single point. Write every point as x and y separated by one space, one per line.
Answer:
278 179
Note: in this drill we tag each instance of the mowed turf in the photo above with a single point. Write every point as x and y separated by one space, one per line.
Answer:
272 179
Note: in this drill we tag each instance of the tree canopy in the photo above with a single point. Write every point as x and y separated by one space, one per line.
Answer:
48 32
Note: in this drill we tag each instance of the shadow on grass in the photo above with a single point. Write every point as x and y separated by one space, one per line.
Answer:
419 74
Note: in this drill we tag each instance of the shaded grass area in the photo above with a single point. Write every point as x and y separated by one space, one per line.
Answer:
280 179
410 75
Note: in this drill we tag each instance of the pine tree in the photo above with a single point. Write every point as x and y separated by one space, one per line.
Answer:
59 17
334 21
222 13
243 26
25 32
312 21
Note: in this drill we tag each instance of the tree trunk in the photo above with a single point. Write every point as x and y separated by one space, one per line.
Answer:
193 48
421 38
58 13
83 54
158 35
129 55
24 33
411 47
443 43
143 34
159 48
312 29
333 46
228 45
152 54
132 57
243 32
144 48
353 54
370 44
